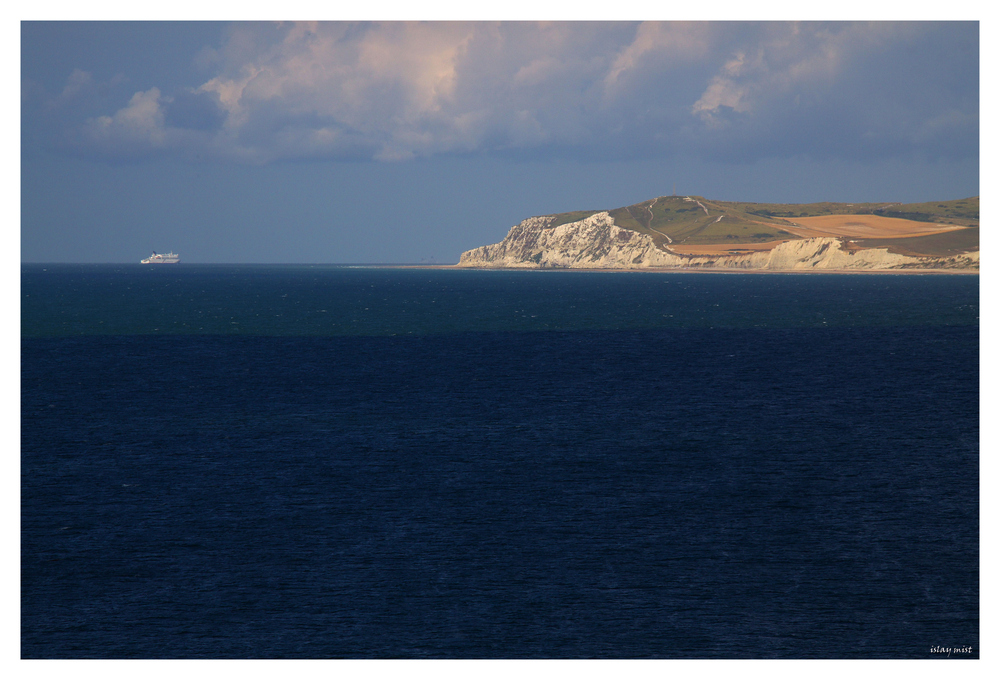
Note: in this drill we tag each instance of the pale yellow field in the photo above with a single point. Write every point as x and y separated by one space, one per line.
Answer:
864 226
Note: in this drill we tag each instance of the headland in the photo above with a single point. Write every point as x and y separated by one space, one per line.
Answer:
692 233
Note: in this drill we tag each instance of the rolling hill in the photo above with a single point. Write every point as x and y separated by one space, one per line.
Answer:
689 231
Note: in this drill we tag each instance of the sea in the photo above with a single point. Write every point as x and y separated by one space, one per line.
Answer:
361 462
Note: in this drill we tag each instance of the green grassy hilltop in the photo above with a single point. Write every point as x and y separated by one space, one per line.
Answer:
696 220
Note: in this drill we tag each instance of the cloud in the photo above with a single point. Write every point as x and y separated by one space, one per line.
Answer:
151 124
724 93
78 81
80 92
401 90
787 59
848 90
140 124
195 110
658 42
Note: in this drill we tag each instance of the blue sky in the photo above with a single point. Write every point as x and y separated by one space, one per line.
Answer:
406 142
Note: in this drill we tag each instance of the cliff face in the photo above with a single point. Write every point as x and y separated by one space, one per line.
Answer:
597 243
594 242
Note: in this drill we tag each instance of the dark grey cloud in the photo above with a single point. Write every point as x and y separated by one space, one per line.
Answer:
195 111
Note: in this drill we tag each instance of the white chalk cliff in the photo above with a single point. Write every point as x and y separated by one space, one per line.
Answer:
597 243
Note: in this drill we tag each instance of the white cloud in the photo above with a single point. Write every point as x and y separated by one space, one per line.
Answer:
791 58
77 82
399 90
394 90
139 123
676 42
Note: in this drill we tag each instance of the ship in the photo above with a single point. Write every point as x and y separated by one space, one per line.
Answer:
160 258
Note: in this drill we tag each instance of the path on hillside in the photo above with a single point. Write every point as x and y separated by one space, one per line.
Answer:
703 227
651 227
688 198
669 240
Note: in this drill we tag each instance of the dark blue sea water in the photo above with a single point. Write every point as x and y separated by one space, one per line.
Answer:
284 462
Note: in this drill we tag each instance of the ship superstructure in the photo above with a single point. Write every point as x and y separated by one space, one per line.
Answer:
160 258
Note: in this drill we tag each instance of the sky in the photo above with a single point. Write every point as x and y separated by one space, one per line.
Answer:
410 142
403 143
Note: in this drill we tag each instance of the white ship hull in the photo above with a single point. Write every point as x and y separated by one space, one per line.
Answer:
158 258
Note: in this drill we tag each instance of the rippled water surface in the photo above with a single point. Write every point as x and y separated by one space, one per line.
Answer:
286 462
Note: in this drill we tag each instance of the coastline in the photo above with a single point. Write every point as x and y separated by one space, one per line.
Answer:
693 270
597 243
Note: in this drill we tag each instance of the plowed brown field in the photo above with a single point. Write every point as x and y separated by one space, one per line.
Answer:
864 226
